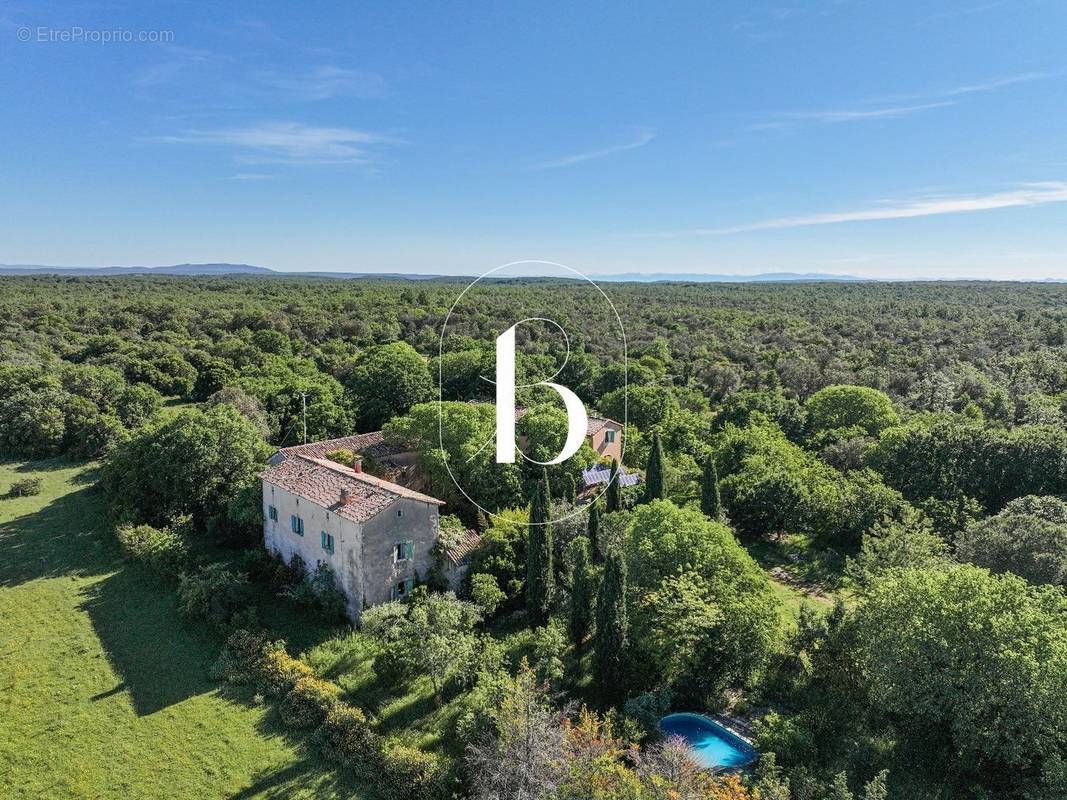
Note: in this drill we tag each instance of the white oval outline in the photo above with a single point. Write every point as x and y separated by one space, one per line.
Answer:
625 381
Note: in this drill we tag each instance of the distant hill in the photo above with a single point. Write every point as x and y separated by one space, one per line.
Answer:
689 277
248 269
175 269
202 269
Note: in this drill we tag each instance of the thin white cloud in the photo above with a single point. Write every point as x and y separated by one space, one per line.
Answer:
857 114
324 82
899 105
566 161
288 143
997 83
1033 194
990 85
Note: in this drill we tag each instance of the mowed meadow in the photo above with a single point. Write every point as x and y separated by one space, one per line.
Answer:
105 688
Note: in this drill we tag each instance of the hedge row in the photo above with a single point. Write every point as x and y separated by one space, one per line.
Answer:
341 731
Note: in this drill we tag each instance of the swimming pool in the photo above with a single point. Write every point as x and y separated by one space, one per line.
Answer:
713 746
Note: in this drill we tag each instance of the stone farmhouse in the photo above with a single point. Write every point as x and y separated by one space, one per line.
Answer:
376 535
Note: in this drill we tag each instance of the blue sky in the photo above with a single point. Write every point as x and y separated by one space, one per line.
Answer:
905 139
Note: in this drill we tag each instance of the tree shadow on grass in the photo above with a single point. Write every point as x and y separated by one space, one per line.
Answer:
133 612
311 775
66 537
161 660
305 778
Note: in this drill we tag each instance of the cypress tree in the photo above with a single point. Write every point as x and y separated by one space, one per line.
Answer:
876 789
839 788
540 579
593 530
609 644
572 490
710 502
655 485
613 498
581 618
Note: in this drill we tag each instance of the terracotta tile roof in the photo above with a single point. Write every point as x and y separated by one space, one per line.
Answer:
372 445
594 424
460 553
322 482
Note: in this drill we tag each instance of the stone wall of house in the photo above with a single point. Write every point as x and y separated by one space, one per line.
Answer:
602 447
346 559
405 520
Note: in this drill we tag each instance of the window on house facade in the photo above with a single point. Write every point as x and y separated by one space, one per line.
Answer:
402 589
297 524
609 436
272 513
327 542
403 551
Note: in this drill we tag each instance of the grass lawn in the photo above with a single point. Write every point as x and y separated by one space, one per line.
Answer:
814 575
105 691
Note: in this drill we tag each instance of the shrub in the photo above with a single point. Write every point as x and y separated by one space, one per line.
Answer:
648 708
259 564
330 600
215 593
342 456
301 593
279 672
307 703
165 551
25 487
289 575
242 659
346 738
486 593
410 772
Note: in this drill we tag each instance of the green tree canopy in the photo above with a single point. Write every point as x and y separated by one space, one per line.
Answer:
194 463
842 406
386 382
1028 537
972 670
670 549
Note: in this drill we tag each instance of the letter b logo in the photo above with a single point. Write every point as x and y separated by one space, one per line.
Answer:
505 402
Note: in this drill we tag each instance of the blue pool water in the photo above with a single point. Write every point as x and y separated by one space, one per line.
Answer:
713 746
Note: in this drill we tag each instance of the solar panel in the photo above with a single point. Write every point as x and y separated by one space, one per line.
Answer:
598 474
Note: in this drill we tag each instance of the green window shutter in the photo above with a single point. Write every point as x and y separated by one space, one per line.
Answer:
409 550
322 539
292 522
409 584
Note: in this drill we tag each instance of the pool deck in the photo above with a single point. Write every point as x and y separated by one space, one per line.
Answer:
741 728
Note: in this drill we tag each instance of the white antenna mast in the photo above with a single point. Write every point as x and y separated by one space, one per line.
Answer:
304 405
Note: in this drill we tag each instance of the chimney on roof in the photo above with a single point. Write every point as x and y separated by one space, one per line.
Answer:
357 464
346 496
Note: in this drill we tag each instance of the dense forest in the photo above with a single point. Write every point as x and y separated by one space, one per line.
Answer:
851 528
